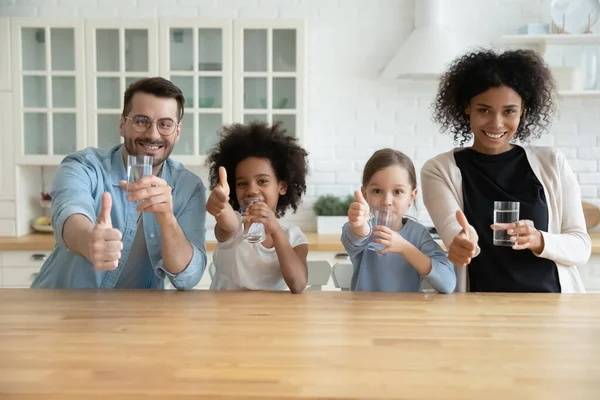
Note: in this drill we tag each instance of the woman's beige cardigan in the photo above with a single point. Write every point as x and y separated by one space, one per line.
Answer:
566 242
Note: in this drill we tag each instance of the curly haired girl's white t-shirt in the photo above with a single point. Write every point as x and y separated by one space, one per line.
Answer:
250 266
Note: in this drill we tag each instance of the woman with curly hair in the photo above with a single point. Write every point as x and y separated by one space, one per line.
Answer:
260 162
496 99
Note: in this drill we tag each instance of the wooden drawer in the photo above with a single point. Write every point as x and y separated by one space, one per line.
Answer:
18 277
24 258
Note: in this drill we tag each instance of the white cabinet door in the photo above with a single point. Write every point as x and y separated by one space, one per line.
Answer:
7 166
19 268
48 85
18 277
196 56
24 258
269 73
118 53
5 82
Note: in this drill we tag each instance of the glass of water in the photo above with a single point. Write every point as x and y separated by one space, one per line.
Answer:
253 232
505 213
138 167
380 217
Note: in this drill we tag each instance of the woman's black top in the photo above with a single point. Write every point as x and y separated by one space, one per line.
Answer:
504 177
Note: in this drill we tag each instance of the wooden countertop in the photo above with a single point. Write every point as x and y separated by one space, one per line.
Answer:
199 344
316 242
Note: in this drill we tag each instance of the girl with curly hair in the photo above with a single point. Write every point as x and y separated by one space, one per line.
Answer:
496 99
259 161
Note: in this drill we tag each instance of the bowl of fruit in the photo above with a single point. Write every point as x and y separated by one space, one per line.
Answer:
42 224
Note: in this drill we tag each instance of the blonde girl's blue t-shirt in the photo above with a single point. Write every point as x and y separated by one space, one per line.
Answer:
390 272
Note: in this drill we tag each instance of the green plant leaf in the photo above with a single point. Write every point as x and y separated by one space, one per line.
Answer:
330 205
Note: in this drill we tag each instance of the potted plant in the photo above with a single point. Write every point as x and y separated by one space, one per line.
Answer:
332 213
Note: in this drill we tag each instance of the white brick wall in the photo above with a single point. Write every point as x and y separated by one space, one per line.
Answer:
350 110
589 153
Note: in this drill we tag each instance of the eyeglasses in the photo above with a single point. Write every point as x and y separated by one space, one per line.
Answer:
141 124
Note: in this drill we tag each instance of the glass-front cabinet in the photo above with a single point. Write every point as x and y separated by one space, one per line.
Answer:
196 56
269 73
48 84
69 77
118 53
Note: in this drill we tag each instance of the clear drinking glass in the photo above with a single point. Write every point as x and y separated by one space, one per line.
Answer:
255 232
505 213
138 167
380 217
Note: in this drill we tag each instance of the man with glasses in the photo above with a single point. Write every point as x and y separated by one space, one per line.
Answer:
111 234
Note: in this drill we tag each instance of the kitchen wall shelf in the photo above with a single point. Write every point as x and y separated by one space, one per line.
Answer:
556 38
540 43
579 93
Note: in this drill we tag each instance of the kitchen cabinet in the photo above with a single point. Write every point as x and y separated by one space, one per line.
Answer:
69 77
7 168
196 56
269 73
118 53
5 82
48 89
19 268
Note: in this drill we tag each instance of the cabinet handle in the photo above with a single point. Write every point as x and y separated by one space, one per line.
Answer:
38 257
343 256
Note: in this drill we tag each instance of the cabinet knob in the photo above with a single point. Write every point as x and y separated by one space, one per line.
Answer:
341 256
38 257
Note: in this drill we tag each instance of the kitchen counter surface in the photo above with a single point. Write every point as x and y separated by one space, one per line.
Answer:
94 344
316 242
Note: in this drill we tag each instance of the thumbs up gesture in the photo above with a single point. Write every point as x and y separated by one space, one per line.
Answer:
359 214
219 197
105 246
464 245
